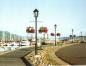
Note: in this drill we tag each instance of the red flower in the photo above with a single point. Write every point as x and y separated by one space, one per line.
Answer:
32 30
45 29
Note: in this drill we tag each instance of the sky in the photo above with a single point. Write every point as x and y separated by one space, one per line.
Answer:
16 15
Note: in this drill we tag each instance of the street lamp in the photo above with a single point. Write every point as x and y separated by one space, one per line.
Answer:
72 35
36 12
55 33
81 37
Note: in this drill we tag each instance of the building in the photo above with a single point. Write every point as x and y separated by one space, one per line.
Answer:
7 36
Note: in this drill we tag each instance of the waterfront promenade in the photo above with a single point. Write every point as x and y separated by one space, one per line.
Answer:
16 57
74 54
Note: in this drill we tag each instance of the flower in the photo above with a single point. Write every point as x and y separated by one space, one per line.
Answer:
43 29
52 34
58 34
30 30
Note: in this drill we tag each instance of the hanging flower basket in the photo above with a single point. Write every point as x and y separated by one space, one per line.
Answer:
30 30
43 30
52 34
58 34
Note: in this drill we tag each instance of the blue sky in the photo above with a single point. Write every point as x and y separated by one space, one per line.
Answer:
16 15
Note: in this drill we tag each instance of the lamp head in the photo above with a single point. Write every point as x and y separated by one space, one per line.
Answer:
55 25
36 12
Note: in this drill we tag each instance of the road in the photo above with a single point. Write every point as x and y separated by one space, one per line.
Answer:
15 58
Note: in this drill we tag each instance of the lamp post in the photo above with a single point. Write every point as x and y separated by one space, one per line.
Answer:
81 36
55 33
36 12
72 35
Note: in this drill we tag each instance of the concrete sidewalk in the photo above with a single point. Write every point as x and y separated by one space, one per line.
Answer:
74 54
14 58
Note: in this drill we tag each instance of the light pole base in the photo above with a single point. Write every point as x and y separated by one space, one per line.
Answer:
37 59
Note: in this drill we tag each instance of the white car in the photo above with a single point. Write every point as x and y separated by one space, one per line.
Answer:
25 43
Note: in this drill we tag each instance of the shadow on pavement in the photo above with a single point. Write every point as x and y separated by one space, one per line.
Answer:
26 62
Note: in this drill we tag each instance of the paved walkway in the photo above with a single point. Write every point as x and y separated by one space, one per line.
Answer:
14 58
74 54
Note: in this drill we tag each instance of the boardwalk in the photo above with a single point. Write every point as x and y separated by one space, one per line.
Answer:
15 58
